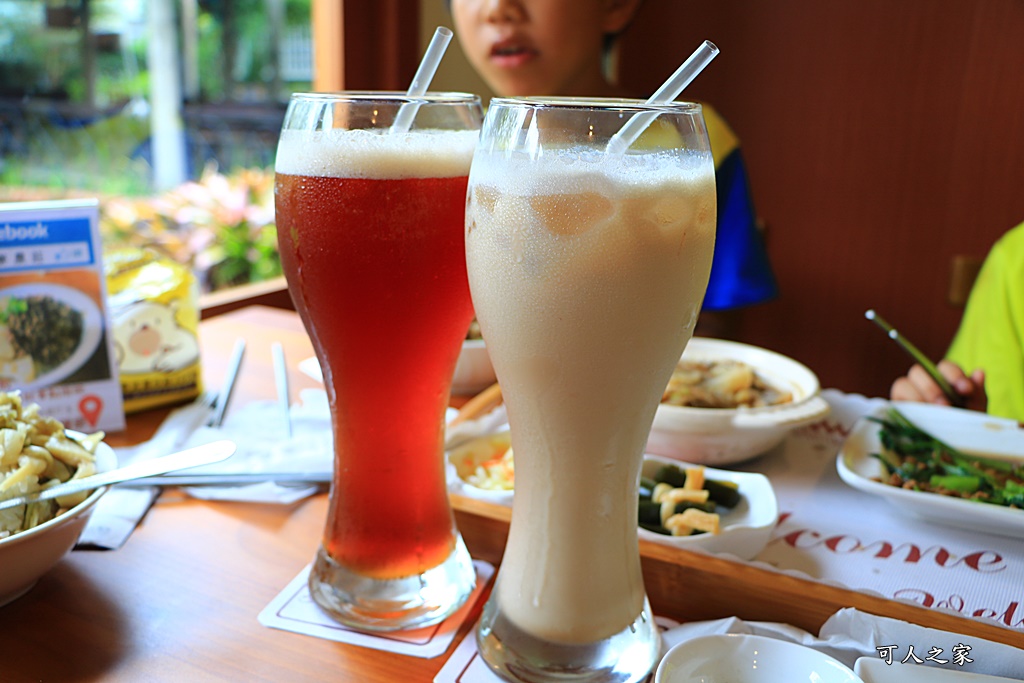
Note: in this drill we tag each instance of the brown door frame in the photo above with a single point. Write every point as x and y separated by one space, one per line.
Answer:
365 44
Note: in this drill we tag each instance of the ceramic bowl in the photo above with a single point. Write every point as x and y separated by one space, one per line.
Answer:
718 436
745 529
473 371
28 555
740 658
464 460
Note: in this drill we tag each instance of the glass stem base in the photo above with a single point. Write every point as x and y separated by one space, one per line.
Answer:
515 655
371 604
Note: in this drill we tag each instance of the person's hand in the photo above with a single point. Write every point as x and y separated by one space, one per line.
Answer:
917 385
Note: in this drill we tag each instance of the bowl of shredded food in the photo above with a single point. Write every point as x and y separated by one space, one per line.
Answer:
484 468
728 402
36 452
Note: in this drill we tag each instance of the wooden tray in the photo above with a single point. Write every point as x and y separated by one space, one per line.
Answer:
694 586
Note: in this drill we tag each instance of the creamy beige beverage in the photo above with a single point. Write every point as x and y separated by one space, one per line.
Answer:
587 276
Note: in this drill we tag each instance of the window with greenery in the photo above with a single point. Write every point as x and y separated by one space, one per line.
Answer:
76 120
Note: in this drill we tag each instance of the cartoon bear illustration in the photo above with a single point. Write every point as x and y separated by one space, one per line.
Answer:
147 338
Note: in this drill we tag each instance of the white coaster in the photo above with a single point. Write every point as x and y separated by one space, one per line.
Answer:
294 610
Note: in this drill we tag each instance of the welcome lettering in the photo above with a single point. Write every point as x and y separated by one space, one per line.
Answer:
982 561
1012 615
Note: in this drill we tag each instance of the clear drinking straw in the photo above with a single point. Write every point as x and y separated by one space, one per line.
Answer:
669 91
424 74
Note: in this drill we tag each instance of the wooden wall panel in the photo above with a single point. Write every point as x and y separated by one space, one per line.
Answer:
361 45
882 139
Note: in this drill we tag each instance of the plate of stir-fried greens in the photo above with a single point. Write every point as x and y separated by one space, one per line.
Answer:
904 453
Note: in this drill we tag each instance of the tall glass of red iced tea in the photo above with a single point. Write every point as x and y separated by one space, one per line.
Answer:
370 223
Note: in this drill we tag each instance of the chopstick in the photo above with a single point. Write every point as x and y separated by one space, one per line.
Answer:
232 479
479 404
229 384
281 382
955 398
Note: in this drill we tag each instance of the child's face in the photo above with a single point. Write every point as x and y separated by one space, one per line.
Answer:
539 47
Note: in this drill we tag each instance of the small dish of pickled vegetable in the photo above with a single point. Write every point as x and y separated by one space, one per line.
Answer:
692 506
902 453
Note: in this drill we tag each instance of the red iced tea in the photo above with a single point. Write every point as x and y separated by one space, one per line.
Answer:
377 270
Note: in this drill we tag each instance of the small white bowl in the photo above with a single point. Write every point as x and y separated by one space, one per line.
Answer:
741 658
473 371
463 461
27 555
745 530
720 436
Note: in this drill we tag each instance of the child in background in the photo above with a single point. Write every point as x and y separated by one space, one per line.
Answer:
559 47
989 343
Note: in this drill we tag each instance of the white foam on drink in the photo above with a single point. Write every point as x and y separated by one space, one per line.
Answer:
376 154
590 170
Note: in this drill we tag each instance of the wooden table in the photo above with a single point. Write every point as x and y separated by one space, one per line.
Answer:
179 601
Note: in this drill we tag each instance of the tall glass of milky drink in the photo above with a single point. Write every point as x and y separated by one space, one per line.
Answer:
370 223
587 270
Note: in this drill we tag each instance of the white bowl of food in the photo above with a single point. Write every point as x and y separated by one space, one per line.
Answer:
724 512
34 538
484 468
742 658
729 402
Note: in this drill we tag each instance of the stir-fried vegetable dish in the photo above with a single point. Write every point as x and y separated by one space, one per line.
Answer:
916 460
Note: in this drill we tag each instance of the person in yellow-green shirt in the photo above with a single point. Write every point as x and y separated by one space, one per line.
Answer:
985 362
559 47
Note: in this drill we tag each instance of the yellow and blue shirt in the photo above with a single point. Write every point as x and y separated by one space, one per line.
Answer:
991 332
741 274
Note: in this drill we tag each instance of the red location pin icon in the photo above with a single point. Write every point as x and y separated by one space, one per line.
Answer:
91 406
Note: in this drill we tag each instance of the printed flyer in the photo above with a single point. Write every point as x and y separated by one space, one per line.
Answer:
55 344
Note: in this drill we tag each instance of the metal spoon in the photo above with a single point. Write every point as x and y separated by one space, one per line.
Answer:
215 451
